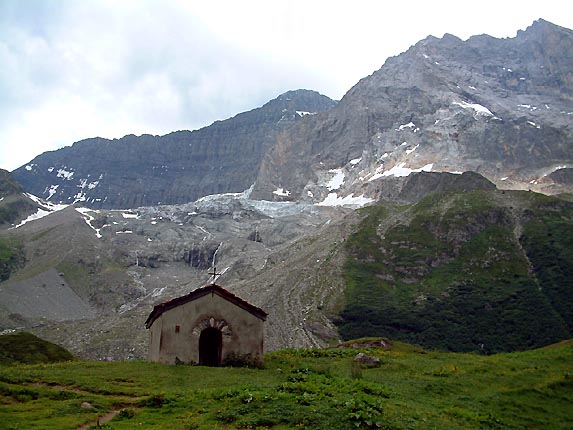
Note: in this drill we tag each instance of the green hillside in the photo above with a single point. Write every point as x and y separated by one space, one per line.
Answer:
13 204
304 389
485 271
28 349
11 257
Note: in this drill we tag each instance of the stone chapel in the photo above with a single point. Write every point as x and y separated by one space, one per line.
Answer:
209 326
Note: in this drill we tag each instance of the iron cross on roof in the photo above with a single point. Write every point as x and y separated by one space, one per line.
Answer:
214 274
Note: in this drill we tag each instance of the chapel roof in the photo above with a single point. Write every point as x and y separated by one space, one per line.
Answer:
200 292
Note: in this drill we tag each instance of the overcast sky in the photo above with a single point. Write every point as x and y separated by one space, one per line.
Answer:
73 69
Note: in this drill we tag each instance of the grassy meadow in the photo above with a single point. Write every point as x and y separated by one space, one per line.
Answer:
308 389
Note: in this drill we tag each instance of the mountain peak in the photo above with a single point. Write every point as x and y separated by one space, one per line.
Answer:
297 99
543 25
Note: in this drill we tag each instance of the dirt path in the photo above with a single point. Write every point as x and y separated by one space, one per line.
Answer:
108 416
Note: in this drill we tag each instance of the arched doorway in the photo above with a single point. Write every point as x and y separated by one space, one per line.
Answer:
210 345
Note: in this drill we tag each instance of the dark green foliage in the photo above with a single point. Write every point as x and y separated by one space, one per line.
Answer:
27 348
11 257
306 400
453 276
15 209
548 241
242 360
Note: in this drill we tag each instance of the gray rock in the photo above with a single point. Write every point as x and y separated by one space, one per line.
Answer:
366 359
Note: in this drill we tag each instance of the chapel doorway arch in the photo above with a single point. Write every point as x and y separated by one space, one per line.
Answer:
210 346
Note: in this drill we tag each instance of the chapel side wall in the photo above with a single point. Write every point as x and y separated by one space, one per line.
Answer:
155 340
242 331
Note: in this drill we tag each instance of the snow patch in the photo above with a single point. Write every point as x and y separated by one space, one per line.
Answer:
533 124
157 292
281 192
65 174
336 181
409 151
377 173
504 178
46 205
41 213
409 125
303 113
79 197
355 161
51 191
88 218
554 170
528 106
333 200
29 167
400 171
477 108
129 215
46 209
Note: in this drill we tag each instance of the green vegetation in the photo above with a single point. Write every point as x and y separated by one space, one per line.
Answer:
548 241
29 349
307 389
9 214
453 276
11 257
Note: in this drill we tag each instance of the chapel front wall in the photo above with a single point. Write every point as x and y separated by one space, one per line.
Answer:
175 334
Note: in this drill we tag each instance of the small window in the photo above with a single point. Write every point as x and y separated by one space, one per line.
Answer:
177 328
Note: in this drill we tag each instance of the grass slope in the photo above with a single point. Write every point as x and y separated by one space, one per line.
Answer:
307 389
480 271
28 349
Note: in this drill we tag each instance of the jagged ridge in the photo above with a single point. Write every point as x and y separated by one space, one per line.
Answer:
176 168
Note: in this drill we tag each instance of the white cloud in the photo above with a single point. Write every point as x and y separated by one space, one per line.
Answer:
77 69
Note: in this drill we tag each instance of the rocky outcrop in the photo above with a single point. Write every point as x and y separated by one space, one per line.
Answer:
422 184
176 168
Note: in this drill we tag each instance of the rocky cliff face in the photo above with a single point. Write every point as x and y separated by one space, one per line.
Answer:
501 107
176 168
